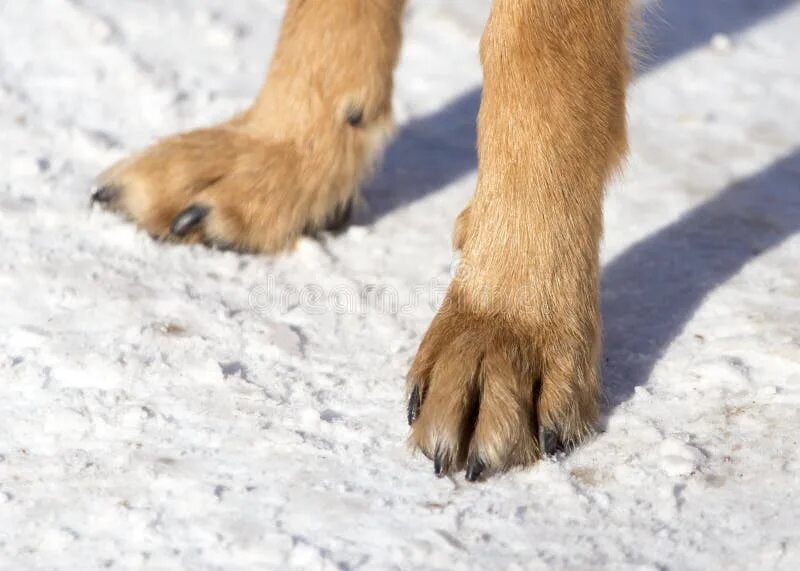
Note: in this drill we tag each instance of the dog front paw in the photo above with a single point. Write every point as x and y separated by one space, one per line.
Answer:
487 392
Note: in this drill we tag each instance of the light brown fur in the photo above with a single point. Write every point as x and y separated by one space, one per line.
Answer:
286 165
522 317
512 356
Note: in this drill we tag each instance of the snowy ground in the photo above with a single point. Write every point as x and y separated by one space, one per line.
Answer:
168 407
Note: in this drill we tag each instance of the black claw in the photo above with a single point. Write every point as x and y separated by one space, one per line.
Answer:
189 219
441 462
413 406
105 194
475 469
355 115
550 442
340 218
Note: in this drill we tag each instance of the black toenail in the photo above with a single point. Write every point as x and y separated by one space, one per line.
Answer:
340 218
475 469
441 462
189 219
413 406
105 194
549 442
355 115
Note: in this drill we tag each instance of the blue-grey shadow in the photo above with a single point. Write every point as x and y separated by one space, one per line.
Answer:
673 27
652 290
433 151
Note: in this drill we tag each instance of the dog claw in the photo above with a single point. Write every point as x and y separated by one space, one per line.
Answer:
355 115
441 462
189 219
341 218
475 469
550 442
104 194
413 406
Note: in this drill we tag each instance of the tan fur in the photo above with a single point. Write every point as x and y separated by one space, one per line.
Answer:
513 352
521 319
283 167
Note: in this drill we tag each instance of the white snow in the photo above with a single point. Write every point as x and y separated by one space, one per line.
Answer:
169 407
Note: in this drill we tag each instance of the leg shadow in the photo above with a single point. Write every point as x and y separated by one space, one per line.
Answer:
673 27
428 154
433 151
652 290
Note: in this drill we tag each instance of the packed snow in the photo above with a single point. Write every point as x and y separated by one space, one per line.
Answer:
172 407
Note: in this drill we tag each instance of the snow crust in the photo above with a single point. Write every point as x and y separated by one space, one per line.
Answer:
169 407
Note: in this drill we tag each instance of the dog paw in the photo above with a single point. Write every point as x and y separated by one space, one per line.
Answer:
486 393
226 187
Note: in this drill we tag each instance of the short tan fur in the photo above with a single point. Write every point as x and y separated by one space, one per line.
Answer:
509 366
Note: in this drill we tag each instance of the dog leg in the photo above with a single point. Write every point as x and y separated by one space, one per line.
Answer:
292 163
509 366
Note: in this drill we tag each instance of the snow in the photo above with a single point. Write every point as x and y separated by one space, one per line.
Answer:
171 407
